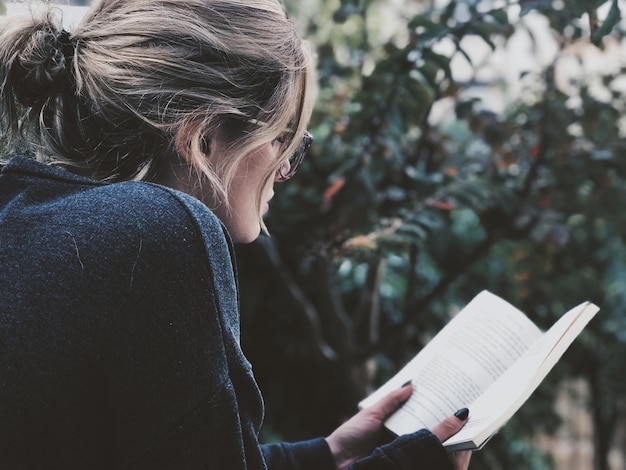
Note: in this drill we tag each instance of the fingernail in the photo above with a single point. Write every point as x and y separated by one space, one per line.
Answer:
462 414
408 382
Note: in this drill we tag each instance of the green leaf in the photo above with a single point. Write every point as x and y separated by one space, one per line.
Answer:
440 60
500 16
530 5
414 231
613 18
421 21
581 7
484 31
432 34
429 72
345 11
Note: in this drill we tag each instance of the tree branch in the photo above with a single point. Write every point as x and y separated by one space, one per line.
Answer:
304 306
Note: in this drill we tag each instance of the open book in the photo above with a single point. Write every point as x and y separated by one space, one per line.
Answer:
489 358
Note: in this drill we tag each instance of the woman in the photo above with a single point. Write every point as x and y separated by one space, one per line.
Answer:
164 126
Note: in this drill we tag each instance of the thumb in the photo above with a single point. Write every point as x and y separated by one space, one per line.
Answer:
390 403
451 425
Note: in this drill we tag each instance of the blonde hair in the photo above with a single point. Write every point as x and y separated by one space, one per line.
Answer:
140 81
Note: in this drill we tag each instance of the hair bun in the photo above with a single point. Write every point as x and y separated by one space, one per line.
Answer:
43 67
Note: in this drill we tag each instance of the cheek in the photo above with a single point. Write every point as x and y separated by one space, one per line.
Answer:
255 187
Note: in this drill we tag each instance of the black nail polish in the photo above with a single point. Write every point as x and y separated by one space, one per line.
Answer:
408 382
462 414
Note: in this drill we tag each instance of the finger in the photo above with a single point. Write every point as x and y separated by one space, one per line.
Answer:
390 403
461 460
451 425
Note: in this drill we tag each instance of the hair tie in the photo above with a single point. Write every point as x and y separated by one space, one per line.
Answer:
48 69
67 47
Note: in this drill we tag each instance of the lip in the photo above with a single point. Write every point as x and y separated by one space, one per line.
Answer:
266 206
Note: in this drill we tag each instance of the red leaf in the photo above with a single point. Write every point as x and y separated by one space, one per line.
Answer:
333 189
443 205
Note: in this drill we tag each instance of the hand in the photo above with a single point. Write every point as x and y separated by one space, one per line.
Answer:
448 428
360 435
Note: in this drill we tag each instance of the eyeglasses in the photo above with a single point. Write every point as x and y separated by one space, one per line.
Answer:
291 166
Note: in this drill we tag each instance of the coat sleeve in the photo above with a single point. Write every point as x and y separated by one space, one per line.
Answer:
419 450
306 455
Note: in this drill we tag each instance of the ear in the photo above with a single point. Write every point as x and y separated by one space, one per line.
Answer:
192 140
201 153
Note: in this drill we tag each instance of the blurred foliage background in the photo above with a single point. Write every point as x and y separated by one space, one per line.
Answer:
460 145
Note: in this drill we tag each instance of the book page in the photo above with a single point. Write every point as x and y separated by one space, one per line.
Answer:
514 387
460 363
